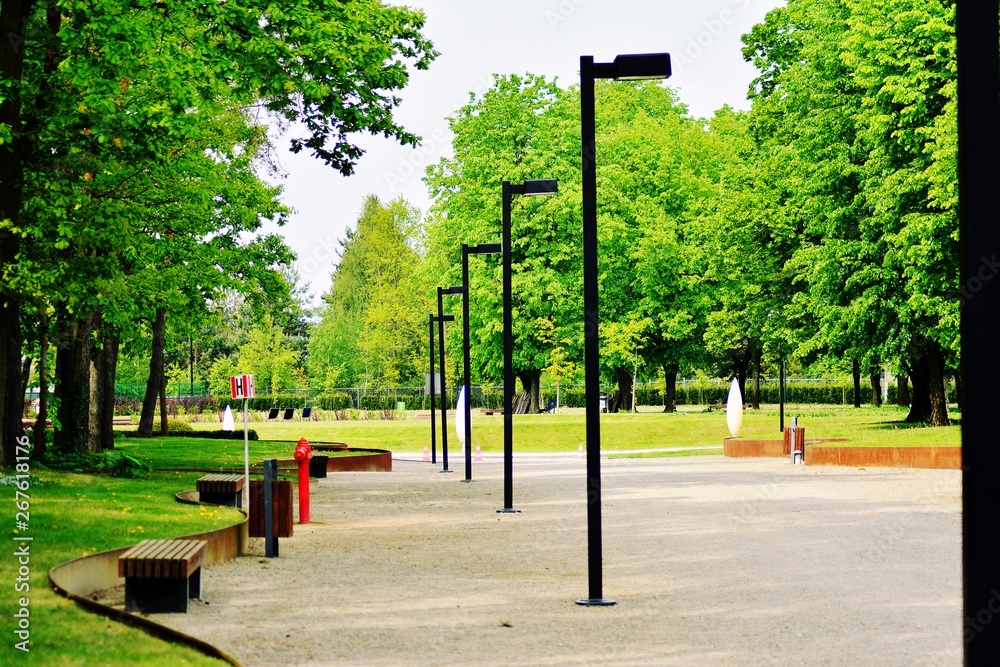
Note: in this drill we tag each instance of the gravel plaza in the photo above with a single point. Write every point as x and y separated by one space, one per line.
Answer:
712 561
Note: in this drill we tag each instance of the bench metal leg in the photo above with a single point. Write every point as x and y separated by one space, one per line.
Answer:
154 595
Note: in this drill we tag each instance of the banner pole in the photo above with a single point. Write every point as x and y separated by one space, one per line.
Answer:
246 459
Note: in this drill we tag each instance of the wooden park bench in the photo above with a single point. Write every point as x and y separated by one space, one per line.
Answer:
221 489
121 421
162 575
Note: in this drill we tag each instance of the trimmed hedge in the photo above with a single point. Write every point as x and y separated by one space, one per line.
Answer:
821 393
335 401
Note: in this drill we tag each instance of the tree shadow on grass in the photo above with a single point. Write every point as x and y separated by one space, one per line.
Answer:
904 425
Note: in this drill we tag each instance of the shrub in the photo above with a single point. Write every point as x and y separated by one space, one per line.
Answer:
113 463
174 426
119 464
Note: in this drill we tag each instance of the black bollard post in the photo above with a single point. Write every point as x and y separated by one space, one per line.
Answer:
270 539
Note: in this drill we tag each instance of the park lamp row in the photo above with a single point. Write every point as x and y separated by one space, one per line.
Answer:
628 67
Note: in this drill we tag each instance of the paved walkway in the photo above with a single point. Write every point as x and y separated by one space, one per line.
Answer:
712 560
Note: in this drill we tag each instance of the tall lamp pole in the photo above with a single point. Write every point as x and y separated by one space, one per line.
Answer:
442 318
781 396
546 186
481 249
624 68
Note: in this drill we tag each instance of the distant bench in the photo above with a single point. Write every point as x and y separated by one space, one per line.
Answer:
162 575
121 421
221 489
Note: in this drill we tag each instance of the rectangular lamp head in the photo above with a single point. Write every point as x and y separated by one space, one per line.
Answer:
457 289
639 66
486 248
543 186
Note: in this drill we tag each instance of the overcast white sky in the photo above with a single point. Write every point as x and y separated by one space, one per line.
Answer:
479 37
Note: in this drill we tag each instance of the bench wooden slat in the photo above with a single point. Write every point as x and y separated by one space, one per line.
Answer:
163 559
217 483
152 558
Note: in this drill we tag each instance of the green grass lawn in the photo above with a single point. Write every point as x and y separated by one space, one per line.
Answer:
75 514
72 515
564 432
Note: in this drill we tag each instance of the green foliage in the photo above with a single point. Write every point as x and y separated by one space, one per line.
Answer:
372 328
268 356
855 114
523 127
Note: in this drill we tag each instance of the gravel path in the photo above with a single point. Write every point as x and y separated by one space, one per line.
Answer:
713 561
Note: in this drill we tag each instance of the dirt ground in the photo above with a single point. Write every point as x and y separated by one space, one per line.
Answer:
712 561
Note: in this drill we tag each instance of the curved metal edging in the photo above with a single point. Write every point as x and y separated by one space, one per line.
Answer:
78 578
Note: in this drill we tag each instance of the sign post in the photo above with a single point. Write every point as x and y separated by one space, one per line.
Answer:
242 387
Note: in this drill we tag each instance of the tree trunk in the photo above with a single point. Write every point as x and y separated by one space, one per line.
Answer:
920 402
155 373
756 379
108 369
876 382
902 391
742 364
13 22
11 401
959 391
164 421
856 372
96 400
73 385
624 380
25 375
669 389
936 378
530 381
43 382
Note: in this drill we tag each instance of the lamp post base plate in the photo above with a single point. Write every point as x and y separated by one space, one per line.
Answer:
508 510
443 471
596 602
469 481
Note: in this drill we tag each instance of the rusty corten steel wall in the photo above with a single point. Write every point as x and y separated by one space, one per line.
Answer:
895 457
737 448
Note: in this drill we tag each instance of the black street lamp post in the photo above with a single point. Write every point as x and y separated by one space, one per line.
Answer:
431 391
431 383
781 397
533 187
624 68
442 318
481 249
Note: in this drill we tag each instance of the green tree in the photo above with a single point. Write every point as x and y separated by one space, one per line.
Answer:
101 92
372 328
269 357
523 127
860 95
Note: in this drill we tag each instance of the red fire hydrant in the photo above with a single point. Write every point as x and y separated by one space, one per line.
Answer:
303 452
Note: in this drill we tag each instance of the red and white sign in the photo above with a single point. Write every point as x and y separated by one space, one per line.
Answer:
242 386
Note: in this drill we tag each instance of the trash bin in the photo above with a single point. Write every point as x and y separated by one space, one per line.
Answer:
317 465
604 402
401 408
